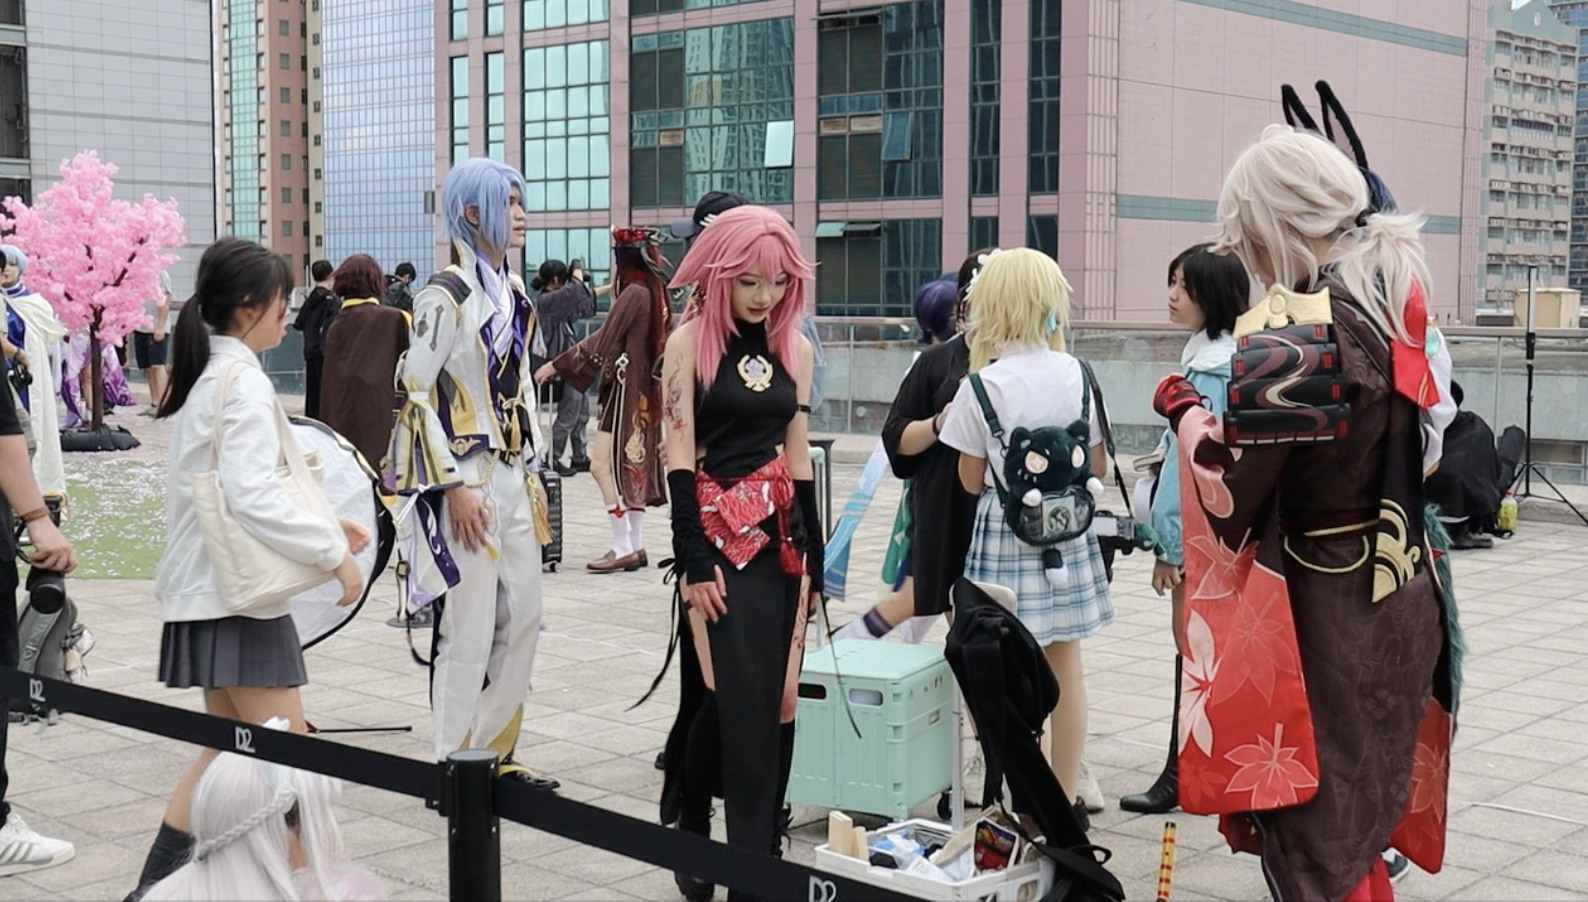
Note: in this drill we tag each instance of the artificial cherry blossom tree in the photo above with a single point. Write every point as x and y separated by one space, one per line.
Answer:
95 258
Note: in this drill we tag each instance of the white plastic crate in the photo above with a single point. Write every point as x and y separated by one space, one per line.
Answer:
1016 883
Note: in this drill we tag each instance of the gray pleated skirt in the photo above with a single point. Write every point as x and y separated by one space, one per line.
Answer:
235 651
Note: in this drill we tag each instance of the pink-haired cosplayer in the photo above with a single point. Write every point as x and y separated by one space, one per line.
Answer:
745 528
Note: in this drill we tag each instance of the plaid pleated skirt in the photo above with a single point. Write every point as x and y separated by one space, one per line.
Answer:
1052 615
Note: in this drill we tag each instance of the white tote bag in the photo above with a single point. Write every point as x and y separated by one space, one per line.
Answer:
250 574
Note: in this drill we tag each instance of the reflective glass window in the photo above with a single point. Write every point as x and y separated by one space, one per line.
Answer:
567 148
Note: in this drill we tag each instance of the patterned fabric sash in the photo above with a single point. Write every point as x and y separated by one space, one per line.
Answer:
732 515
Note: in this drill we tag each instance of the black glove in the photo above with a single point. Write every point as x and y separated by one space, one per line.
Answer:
691 549
815 538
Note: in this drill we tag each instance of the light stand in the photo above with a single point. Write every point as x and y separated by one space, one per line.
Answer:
1529 468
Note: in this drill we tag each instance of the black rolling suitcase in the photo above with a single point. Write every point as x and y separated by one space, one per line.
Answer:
551 554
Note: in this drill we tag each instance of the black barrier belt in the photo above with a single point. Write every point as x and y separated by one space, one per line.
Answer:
772 878
752 872
393 773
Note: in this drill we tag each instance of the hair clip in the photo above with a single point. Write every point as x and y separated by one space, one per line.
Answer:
635 235
981 264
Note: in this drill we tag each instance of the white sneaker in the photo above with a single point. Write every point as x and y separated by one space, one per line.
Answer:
22 850
1088 792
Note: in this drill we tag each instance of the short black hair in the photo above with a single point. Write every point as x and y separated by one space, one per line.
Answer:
321 270
1217 283
552 271
406 269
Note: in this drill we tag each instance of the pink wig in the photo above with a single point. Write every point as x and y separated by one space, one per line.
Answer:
739 240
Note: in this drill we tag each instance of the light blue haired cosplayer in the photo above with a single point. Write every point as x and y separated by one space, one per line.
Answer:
13 254
486 184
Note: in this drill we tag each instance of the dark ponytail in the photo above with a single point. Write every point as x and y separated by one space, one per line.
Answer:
552 272
232 274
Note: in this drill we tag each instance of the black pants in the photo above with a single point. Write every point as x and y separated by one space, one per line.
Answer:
749 656
312 367
10 655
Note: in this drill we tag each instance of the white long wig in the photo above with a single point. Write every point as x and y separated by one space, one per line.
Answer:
242 841
1292 187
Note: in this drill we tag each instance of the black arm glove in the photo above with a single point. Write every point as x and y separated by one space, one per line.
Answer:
691 549
815 538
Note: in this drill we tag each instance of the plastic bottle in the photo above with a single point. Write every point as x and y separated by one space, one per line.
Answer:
1508 513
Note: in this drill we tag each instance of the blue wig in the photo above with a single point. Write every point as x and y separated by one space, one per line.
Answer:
934 310
13 254
485 184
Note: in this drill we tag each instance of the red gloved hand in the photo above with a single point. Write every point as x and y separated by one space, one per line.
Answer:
1175 396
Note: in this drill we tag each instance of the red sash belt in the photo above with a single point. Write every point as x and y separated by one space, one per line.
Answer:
732 516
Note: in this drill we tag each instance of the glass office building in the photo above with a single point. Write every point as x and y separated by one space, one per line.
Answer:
897 137
375 168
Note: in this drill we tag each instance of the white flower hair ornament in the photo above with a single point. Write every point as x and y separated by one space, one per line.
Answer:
981 264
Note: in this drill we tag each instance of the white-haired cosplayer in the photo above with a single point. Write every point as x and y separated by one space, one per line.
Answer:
32 326
263 831
464 447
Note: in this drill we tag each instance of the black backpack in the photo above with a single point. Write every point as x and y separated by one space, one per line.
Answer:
1009 690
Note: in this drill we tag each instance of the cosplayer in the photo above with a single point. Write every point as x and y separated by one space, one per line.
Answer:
1019 306
745 526
1303 521
363 346
463 444
264 831
626 458
33 328
939 513
1207 291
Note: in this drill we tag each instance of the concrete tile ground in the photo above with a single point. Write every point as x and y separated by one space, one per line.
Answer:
1519 795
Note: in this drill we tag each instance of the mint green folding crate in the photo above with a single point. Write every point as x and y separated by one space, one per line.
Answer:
902 698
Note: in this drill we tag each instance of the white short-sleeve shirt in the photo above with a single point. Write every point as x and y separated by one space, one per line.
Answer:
1028 386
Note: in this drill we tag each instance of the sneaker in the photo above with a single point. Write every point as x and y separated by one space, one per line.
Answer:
1087 791
422 619
1397 865
22 850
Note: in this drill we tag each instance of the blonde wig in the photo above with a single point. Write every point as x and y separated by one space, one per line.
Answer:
1293 187
1019 298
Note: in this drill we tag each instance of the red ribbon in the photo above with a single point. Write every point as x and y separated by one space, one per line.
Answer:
732 516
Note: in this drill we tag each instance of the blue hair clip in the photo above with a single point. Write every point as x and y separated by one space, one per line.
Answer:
1053 323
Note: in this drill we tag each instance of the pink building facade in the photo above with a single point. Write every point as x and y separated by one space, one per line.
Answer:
899 137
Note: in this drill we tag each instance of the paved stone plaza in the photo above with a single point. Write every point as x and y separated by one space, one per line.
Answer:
1519 793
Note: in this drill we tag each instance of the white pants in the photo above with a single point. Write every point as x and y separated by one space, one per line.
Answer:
490 624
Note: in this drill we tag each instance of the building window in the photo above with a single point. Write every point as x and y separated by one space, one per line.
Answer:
286 95
1043 113
880 126
286 162
986 30
286 228
284 61
874 268
493 16
592 247
496 107
283 27
14 97
286 195
460 109
286 128
723 120
316 140
1042 233
460 20
983 233
539 14
567 148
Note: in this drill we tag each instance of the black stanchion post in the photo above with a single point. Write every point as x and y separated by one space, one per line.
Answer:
474 837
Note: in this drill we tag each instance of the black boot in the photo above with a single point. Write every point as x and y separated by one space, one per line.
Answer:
172 848
697 821
702 766
1164 796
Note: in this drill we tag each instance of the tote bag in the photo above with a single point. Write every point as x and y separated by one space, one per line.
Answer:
249 574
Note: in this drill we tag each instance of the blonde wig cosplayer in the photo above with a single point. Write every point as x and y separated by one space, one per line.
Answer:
1292 187
1020 297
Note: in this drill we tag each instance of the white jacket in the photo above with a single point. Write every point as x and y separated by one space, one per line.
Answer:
449 414
43 331
250 451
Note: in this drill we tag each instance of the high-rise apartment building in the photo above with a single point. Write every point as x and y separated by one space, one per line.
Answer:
1527 164
263 123
899 136
372 91
128 79
1574 13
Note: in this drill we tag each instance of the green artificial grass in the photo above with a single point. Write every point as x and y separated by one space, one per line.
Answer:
115 515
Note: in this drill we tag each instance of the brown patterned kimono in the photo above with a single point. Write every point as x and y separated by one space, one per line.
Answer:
620 355
1333 531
